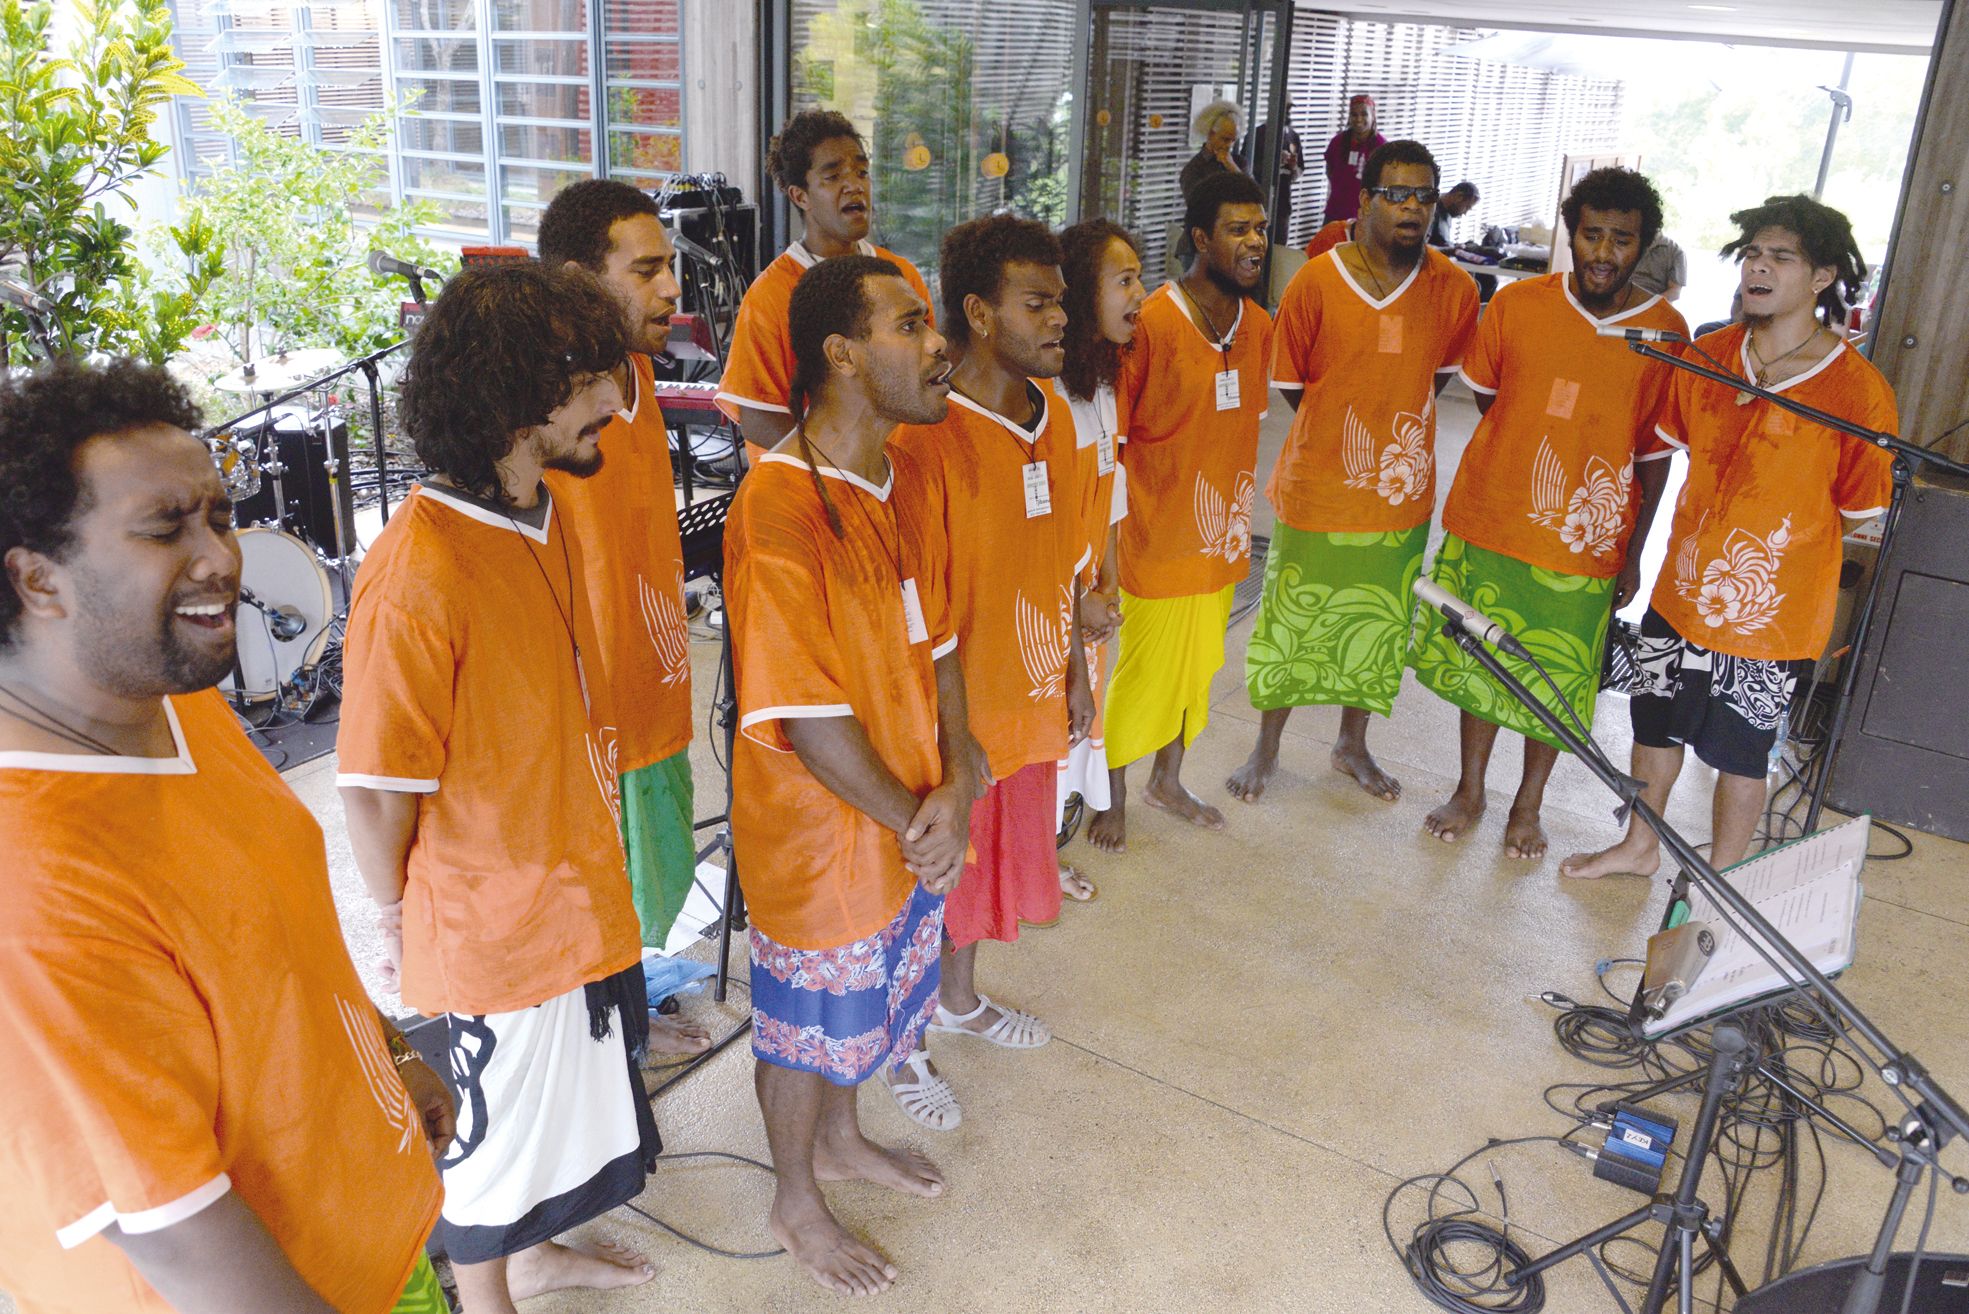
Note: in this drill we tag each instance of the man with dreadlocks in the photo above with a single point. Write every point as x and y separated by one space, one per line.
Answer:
820 161
853 769
996 483
481 811
1745 601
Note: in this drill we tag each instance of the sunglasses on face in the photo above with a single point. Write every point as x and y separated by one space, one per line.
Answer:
1400 195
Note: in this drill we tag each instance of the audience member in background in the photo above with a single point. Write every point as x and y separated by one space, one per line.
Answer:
853 772
1745 602
1346 156
203 1109
1291 164
1191 392
1541 517
1366 339
1452 204
1216 126
820 161
625 517
1664 269
482 810
1103 268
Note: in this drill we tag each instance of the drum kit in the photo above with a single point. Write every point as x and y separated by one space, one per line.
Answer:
279 465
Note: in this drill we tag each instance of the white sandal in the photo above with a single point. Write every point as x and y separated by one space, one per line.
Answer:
928 1101
1013 1029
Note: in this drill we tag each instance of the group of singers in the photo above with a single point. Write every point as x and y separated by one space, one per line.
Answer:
983 561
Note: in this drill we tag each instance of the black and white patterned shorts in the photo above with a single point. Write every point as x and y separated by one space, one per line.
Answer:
1730 710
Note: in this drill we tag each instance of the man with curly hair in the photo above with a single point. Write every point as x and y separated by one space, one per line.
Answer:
1368 334
203 1109
481 803
1745 602
1545 503
820 161
626 520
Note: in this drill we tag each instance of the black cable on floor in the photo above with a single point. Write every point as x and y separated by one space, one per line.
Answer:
686 1237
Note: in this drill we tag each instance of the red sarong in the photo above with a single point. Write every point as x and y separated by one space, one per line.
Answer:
1016 876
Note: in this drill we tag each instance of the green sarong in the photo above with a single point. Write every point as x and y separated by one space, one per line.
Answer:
422 1294
657 803
1333 625
1561 620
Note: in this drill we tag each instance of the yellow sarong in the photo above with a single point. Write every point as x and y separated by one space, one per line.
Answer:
1171 648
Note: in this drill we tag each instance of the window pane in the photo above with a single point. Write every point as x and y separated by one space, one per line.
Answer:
541 58
527 142
639 17
539 16
644 107
420 134
543 100
435 15
452 177
539 186
439 54
645 152
523 224
463 216
441 95
646 61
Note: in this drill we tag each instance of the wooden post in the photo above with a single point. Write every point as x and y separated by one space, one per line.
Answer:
1921 341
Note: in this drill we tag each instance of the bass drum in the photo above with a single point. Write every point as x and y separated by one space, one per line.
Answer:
283 573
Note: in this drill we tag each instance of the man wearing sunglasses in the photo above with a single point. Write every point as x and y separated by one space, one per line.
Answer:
1367 335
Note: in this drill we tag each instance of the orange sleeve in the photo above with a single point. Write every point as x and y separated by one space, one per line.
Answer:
925 547
759 366
1865 479
1130 382
1482 366
914 277
1463 323
1670 425
111 1096
1298 326
396 702
788 664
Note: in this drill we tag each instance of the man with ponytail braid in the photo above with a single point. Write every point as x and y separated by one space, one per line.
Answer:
852 773
1745 601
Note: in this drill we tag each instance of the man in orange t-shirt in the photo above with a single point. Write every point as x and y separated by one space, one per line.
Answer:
481 804
1745 602
1192 391
203 1108
995 486
624 516
1368 334
852 719
820 161
1545 502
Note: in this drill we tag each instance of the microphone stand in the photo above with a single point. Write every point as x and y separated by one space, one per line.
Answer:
1934 1116
1906 455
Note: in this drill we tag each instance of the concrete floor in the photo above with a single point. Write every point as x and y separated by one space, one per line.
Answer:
1257 1035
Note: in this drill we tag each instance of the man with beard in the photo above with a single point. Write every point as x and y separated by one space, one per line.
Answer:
1192 387
1745 602
625 518
203 1109
482 811
1543 510
1367 335
852 720
1346 159
995 489
821 163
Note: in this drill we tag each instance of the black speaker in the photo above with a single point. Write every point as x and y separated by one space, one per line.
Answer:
303 449
1941 1287
1905 754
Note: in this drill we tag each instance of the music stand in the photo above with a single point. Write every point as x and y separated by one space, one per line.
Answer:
702 527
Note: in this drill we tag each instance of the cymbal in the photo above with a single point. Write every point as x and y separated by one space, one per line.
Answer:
274 374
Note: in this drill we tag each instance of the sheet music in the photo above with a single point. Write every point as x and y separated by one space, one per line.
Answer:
1809 891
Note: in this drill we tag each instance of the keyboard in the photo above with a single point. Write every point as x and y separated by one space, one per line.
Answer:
689 403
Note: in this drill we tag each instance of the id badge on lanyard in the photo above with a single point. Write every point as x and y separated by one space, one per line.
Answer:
1227 390
1104 451
912 613
1039 497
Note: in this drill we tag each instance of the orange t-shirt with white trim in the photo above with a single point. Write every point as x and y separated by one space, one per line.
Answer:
1191 468
181 1019
1754 553
461 687
1548 477
1330 236
1104 489
1361 456
1008 577
625 518
759 366
819 630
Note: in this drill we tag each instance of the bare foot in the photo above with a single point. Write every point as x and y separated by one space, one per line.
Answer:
1108 831
862 1160
1523 836
1360 764
595 1266
820 1245
1456 818
1183 803
1075 885
671 1035
1247 783
1623 859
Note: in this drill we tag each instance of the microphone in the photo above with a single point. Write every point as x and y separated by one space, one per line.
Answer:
283 622
1639 334
383 264
1676 958
1471 620
23 297
696 252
